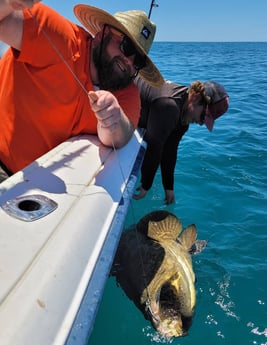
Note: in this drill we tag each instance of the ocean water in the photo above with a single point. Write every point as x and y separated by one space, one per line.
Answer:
221 186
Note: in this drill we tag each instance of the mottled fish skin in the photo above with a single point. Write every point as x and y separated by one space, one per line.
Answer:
154 267
180 274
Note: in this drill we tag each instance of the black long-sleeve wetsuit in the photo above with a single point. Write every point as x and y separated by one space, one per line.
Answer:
161 110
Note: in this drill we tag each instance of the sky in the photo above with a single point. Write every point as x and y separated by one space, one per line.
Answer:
190 20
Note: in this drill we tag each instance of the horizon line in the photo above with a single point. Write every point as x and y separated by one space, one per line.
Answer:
193 41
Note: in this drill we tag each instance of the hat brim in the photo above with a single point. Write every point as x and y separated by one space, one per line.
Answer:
209 122
93 19
214 111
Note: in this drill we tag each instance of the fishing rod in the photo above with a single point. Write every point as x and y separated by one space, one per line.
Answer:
153 4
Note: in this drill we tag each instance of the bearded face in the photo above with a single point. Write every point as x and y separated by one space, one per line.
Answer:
113 73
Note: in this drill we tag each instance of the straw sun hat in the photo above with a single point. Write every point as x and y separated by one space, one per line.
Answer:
134 24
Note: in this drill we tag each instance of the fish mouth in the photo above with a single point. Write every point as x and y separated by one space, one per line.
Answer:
166 310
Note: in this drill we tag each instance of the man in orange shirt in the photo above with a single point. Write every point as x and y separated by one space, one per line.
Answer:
58 80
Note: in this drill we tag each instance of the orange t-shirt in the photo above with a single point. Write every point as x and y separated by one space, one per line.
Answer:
41 100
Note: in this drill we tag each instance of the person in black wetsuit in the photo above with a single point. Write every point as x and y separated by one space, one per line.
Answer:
166 114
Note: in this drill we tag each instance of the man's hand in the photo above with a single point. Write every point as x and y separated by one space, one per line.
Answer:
21 4
11 21
106 108
114 128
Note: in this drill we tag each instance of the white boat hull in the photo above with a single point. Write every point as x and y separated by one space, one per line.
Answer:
53 269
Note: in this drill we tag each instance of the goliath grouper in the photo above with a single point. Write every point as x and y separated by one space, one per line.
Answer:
154 268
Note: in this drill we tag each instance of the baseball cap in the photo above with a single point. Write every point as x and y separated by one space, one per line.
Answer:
218 104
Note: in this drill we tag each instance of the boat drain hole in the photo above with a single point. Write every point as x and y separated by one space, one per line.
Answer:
29 205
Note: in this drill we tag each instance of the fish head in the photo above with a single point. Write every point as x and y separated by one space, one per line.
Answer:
169 309
172 327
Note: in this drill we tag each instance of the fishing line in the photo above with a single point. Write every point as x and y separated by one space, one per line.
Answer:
148 301
66 64
82 87
148 308
141 257
58 52
80 84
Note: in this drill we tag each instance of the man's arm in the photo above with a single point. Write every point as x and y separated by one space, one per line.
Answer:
11 20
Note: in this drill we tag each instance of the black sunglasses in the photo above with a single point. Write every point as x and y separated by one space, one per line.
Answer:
128 49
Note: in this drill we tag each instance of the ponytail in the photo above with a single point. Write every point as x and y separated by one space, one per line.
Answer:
198 87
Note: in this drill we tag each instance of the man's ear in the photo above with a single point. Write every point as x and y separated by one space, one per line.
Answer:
98 37
99 34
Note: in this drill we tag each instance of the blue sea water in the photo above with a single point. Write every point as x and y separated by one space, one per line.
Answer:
221 186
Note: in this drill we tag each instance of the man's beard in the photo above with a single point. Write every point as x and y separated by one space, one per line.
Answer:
108 75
